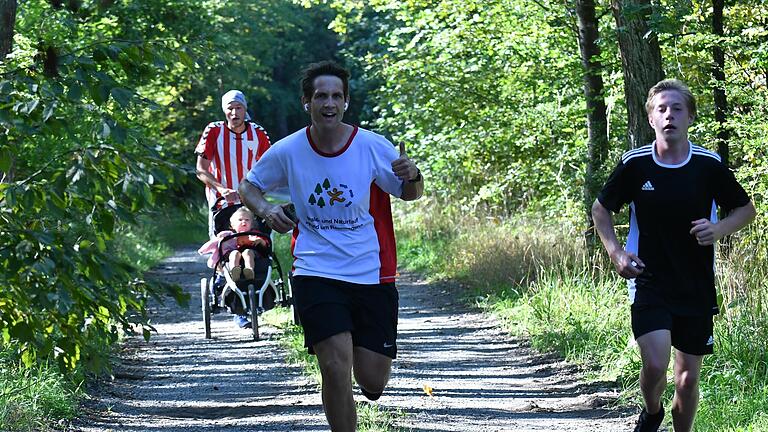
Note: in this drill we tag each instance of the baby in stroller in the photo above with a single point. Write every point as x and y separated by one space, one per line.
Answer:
239 252
242 251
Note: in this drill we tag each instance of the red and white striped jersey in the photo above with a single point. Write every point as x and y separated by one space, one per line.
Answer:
231 154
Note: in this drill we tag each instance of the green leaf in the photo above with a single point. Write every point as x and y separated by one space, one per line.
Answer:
107 222
30 106
48 111
6 159
45 266
119 134
99 93
100 55
122 96
28 357
186 60
75 92
105 130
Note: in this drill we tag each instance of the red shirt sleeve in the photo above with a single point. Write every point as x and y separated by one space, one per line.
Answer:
207 144
264 142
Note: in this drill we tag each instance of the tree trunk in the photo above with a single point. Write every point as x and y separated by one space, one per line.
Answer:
718 73
7 24
597 122
641 64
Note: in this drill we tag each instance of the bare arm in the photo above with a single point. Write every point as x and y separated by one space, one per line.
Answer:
620 258
202 172
253 198
708 233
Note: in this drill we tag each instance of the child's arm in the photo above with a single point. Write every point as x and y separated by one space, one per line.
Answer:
257 240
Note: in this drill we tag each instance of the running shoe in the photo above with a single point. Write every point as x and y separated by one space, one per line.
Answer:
649 422
242 321
369 395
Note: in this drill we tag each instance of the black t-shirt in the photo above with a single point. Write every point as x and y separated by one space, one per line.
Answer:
664 200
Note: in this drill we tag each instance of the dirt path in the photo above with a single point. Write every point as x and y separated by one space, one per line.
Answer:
482 380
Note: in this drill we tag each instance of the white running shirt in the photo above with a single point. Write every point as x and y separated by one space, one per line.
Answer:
342 203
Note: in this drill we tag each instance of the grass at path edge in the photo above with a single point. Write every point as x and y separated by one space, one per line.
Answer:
536 276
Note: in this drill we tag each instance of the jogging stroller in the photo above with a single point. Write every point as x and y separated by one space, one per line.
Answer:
251 297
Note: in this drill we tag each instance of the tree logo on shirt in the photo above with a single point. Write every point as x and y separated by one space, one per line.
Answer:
325 194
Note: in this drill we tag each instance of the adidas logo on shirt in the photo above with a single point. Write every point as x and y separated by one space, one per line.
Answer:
648 186
711 341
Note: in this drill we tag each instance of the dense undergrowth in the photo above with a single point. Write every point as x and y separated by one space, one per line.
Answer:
537 276
41 397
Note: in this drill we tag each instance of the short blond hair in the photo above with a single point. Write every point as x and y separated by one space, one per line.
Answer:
242 209
671 84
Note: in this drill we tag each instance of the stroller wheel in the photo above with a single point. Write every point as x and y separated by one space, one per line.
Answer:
206 304
253 302
295 315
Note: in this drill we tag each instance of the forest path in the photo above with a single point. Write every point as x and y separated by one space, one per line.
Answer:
482 380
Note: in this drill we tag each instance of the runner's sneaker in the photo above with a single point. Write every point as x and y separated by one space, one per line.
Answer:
369 395
242 321
649 422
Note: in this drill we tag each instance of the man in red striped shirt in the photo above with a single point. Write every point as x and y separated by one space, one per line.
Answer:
227 150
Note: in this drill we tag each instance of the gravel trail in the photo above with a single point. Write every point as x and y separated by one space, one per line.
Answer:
481 380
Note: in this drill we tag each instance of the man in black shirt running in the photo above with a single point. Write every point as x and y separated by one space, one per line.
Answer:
673 189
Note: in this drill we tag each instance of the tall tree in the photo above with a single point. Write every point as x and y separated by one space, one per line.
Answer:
7 22
718 73
641 63
597 122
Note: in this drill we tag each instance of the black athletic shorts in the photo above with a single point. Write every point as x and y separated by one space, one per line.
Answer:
327 307
690 334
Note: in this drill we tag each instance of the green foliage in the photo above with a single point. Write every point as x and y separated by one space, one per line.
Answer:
488 94
100 104
535 276
157 235
77 167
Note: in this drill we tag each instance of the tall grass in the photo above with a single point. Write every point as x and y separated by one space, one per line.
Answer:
33 399
539 279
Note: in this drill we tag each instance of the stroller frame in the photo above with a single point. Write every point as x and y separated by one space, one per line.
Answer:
252 297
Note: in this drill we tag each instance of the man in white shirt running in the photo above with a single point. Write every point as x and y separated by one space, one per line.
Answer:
340 178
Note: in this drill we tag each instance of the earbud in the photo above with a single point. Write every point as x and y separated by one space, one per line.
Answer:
346 105
306 107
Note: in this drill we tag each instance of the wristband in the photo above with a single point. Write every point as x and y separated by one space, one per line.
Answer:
418 177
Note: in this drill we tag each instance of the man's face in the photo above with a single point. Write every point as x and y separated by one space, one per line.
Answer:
670 116
327 103
235 114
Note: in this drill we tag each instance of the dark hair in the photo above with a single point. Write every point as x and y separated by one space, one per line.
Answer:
326 67
671 84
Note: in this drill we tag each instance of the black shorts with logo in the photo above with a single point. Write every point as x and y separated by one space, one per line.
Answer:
327 307
690 334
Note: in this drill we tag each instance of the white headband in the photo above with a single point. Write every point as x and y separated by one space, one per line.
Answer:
233 96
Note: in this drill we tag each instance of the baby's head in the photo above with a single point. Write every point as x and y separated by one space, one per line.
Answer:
241 220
